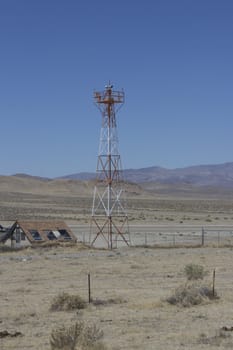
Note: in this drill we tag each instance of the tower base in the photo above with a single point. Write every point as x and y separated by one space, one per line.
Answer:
108 231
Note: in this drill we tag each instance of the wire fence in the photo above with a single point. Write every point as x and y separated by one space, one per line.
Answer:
203 237
166 236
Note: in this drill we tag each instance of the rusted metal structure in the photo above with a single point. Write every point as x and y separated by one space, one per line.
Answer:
109 220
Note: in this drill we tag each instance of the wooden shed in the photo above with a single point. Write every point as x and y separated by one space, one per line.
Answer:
36 232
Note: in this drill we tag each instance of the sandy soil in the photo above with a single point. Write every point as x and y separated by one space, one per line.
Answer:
137 280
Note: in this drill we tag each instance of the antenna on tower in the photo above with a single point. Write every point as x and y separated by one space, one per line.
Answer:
109 220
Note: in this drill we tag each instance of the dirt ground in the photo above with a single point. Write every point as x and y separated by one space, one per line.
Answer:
135 281
131 284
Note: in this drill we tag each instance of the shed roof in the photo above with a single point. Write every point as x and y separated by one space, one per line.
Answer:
42 231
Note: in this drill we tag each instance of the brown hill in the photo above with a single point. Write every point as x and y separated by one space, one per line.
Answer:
25 197
217 175
41 186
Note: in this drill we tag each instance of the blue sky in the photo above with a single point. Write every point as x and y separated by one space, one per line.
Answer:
173 58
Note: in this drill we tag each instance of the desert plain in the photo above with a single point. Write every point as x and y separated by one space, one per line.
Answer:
129 285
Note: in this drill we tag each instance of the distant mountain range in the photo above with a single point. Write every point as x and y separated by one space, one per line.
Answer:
199 175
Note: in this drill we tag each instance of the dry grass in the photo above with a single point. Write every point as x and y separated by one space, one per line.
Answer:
77 336
32 279
102 302
67 302
221 339
191 294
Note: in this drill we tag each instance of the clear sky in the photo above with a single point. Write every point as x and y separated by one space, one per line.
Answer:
173 58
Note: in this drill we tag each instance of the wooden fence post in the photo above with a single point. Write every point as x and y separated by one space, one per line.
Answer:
202 236
89 288
145 239
213 283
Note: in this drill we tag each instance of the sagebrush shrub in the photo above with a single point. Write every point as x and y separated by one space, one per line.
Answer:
76 337
66 338
67 302
194 272
190 295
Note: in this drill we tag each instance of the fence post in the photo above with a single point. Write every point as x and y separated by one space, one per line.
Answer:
145 239
214 283
202 236
89 288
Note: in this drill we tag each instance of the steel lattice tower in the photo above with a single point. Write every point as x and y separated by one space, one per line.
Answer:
109 219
